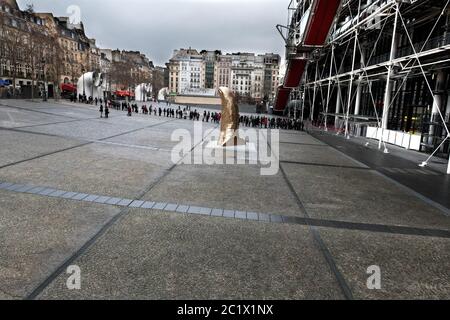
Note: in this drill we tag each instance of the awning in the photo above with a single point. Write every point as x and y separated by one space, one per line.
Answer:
69 87
124 93
5 82
294 74
281 99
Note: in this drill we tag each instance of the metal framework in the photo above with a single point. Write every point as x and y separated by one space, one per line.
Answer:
384 66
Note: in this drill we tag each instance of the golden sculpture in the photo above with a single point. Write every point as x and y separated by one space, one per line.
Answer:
229 123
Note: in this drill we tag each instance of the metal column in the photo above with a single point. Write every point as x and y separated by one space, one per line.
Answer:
338 105
387 96
441 78
350 86
358 98
315 93
329 88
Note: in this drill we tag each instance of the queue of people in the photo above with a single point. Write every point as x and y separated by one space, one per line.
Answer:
82 98
271 123
187 113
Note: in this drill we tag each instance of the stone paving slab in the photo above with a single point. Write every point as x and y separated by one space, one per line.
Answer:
411 267
231 214
315 155
230 187
220 231
88 129
401 166
299 138
22 146
158 137
93 169
38 233
360 196
192 257
14 117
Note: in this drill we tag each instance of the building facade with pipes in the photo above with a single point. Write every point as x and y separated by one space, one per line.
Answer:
381 69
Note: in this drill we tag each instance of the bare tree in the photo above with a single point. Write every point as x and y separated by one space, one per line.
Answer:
55 64
2 40
35 49
30 8
14 51
121 74
157 81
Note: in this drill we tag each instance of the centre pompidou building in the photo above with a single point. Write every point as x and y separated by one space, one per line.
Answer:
372 68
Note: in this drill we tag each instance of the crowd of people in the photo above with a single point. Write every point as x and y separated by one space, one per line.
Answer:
187 113
271 123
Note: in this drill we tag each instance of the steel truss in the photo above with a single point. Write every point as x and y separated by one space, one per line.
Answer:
393 18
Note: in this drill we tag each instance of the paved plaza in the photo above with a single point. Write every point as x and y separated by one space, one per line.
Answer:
104 195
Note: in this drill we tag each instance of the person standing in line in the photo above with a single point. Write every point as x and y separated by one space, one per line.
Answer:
101 110
106 112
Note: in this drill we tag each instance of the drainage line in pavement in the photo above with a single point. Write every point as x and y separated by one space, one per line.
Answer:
304 144
317 237
73 147
324 165
316 234
61 269
34 110
41 287
440 207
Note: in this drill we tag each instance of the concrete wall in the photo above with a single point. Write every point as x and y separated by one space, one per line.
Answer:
197 100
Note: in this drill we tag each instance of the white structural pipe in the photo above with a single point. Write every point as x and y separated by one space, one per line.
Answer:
437 103
315 92
359 87
338 105
448 168
387 95
329 88
358 98
350 87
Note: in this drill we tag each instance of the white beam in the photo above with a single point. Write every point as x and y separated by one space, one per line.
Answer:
329 88
338 105
448 168
358 98
387 95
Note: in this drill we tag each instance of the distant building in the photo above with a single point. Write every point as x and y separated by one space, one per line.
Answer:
62 52
251 76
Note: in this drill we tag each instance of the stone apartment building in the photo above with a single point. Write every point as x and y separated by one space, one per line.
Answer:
69 52
251 76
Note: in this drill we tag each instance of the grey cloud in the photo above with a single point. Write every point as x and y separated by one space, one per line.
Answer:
156 27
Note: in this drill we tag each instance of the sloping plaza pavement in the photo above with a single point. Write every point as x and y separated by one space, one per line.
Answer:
104 195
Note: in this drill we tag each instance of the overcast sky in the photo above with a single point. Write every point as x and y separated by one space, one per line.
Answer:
157 27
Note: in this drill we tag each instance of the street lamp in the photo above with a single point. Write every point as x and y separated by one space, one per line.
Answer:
44 94
84 87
